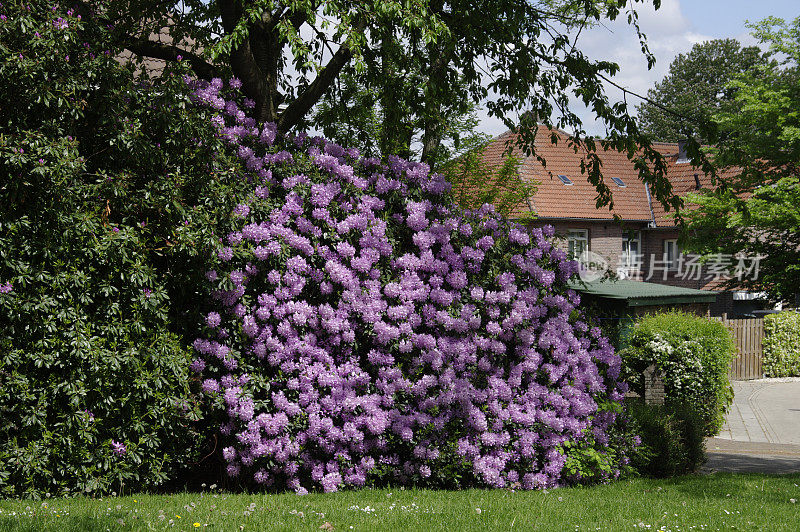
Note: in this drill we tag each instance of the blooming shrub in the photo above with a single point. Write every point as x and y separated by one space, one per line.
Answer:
781 344
365 330
692 356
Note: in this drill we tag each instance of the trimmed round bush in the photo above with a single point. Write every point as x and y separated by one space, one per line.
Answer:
782 344
365 330
691 354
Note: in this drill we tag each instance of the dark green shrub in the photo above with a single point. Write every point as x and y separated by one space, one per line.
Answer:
692 355
782 344
672 439
108 189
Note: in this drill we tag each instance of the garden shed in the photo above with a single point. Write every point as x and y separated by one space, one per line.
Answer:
636 298
618 302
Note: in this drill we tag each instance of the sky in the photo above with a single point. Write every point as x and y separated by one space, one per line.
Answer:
671 30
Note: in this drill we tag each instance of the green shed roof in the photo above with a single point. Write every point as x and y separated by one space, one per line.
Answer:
641 294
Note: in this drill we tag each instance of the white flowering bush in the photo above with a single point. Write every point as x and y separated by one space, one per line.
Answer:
366 330
691 354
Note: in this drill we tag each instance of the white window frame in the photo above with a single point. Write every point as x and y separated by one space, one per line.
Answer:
575 237
671 262
628 259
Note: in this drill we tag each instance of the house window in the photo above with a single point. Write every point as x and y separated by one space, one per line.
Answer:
620 183
564 179
577 243
671 253
631 249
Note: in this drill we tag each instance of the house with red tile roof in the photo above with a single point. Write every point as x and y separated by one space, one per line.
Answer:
636 238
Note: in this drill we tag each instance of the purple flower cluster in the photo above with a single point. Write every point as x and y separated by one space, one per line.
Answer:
118 448
368 329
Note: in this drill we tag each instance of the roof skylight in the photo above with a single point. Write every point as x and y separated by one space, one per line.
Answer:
564 179
618 181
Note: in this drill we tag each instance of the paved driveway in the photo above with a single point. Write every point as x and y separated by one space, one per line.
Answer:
764 410
762 429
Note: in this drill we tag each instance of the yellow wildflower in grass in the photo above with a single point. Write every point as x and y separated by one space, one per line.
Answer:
196 525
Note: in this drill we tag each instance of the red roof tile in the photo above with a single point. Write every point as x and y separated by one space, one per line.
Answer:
554 199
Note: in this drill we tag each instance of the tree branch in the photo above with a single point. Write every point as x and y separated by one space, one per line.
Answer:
169 52
650 101
301 105
147 48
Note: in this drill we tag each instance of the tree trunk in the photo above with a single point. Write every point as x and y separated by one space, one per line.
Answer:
244 64
434 124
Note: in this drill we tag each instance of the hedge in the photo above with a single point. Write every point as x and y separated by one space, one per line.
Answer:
672 439
782 344
692 355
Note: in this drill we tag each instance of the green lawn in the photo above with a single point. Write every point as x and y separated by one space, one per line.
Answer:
713 502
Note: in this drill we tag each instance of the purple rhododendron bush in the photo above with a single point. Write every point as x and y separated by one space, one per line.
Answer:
365 330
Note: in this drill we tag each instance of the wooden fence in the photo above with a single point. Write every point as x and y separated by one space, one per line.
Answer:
748 333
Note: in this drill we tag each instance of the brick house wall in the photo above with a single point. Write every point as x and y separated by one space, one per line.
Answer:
604 236
564 198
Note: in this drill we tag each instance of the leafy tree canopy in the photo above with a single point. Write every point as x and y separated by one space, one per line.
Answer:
755 210
698 84
426 59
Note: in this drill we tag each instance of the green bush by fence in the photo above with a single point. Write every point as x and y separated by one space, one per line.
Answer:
782 344
691 354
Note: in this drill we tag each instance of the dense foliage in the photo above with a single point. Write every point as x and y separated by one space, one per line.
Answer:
100 236
781 345
673 439
696 87
691 354
365 330
421 66
755 212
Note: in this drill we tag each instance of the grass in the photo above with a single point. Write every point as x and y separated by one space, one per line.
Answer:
710 502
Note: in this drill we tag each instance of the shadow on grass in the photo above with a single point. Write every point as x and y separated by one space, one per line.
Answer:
68 523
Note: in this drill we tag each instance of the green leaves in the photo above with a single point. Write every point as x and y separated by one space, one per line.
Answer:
692 356
754 211
99 176
781 349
